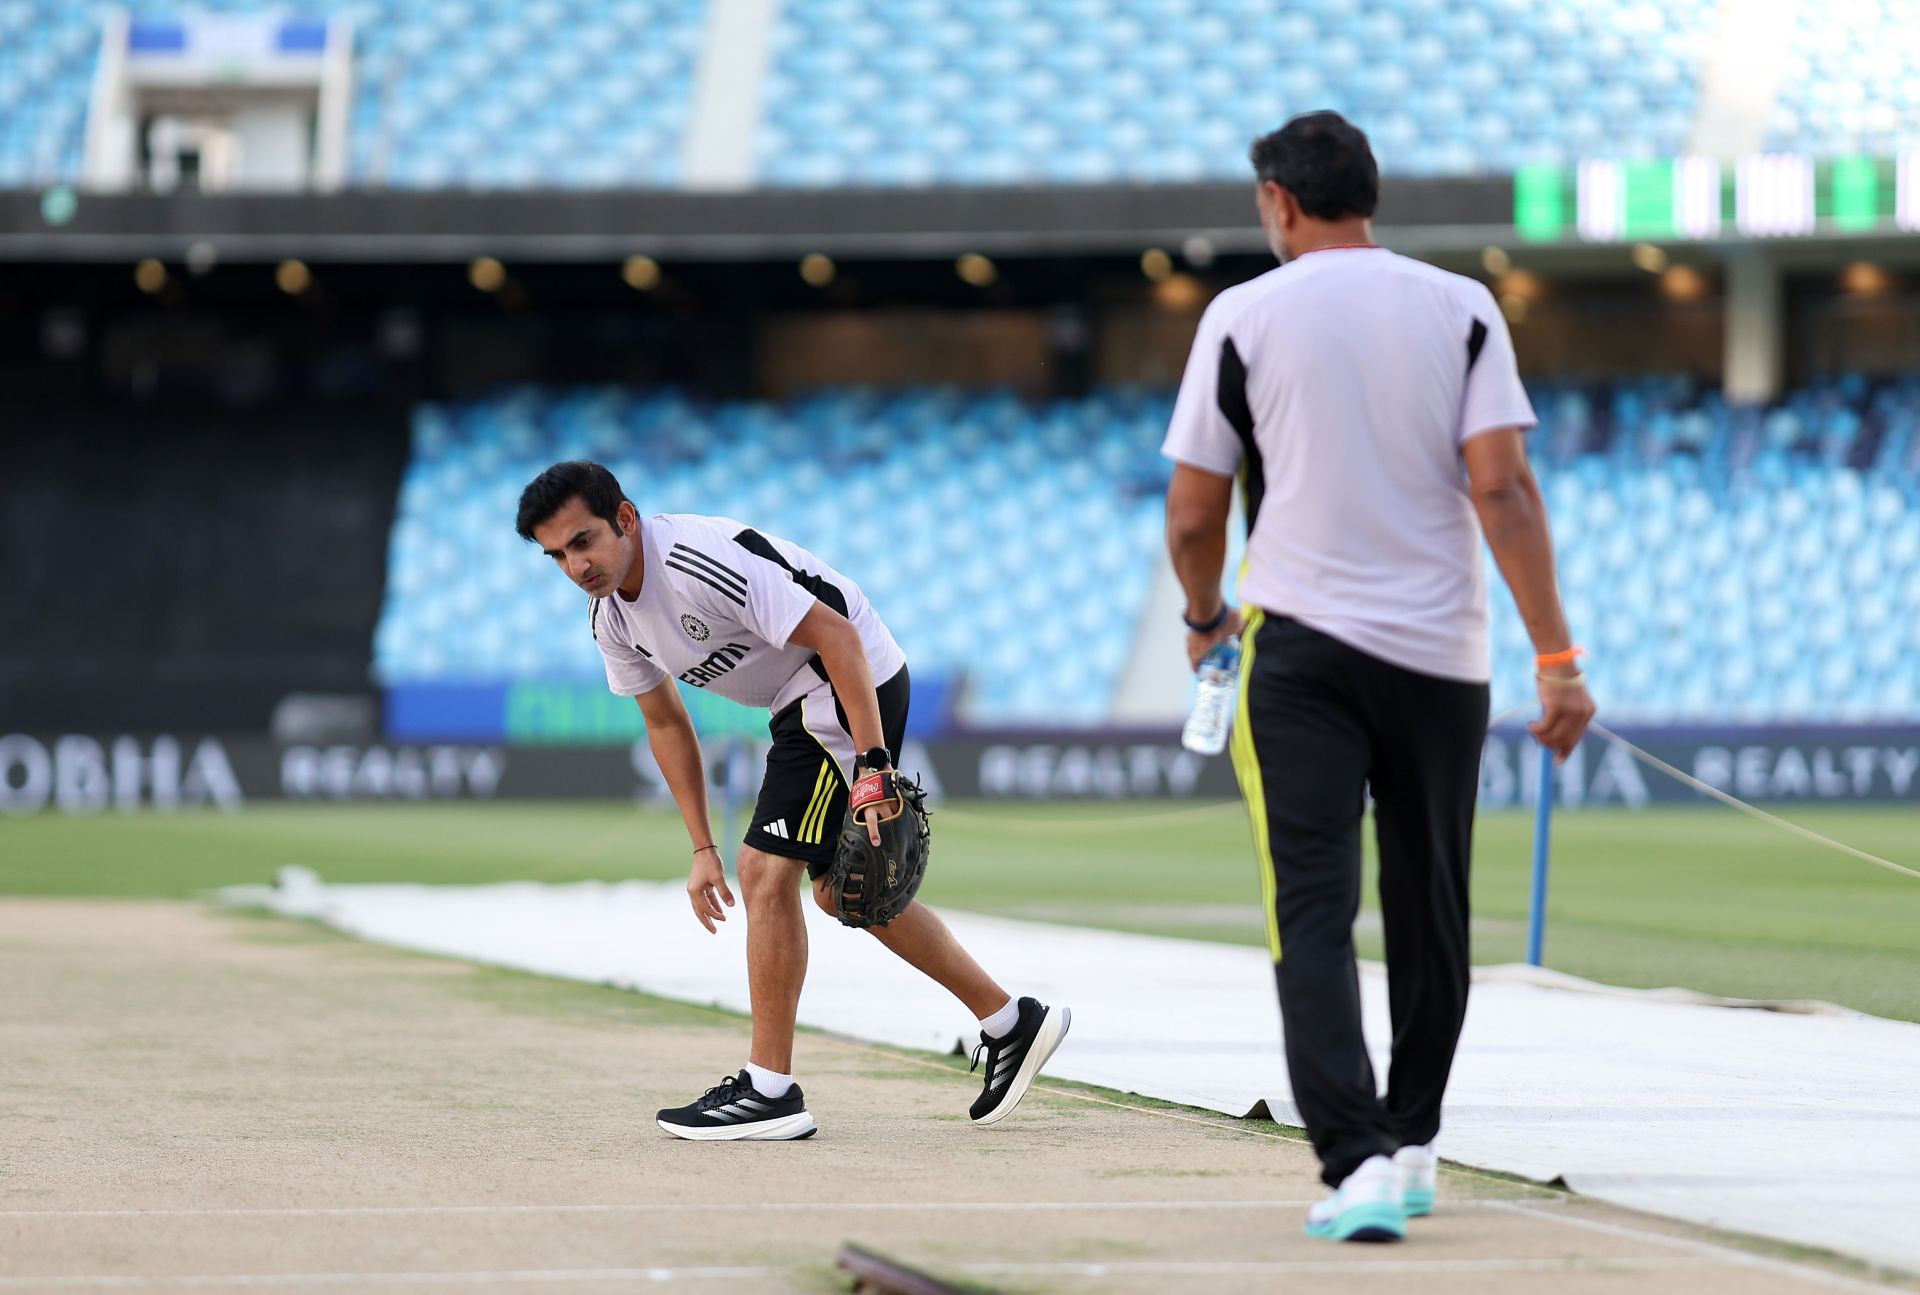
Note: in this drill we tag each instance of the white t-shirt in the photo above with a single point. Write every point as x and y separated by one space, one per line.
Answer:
1342 385
717 605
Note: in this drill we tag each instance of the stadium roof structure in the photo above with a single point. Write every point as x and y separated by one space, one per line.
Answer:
574 225
1438 218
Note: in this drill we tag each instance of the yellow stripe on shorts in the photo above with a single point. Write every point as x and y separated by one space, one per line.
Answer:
1246 763
814 822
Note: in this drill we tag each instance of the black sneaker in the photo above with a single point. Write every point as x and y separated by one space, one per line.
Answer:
1013 1061
733 1111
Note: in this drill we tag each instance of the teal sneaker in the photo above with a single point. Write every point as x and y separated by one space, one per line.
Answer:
1419 1171
1366 1207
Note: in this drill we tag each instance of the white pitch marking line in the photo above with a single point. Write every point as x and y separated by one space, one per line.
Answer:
665 1274
1127 1267
401 1278
907 1207
1706 1248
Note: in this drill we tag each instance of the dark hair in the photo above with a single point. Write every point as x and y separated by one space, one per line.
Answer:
1323 160
549 492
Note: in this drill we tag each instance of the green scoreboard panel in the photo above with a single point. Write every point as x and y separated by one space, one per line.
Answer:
1771 195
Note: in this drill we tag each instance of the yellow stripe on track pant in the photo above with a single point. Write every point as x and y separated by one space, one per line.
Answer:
1246 764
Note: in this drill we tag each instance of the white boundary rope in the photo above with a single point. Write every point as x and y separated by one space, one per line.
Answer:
1752 811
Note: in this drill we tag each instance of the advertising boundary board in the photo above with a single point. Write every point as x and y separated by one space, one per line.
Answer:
85 774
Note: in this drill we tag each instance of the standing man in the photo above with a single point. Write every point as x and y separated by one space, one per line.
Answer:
763 622
1347 389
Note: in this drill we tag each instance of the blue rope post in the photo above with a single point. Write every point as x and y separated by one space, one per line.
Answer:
1542 834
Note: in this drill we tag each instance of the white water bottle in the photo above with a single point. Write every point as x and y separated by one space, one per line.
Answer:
1218 681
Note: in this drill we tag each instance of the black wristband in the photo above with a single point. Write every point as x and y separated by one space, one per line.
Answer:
874 758
1207 627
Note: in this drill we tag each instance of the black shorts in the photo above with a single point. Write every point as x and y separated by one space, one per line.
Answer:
803 800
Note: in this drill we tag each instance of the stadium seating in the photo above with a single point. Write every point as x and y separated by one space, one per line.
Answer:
501 93
505 94
1853 81
890 92
1736 564
495 93
1720 564
448 93
987 504
47 53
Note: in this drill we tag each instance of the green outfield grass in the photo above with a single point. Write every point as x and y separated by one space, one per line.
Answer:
1698 897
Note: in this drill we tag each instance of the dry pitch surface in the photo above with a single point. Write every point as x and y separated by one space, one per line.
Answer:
198 1100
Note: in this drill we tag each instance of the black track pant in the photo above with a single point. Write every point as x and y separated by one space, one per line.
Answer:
1319 724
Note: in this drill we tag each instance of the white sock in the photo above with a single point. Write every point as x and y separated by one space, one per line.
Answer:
1001 1023
768 1083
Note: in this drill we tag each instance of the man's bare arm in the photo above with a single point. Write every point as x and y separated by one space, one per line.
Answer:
1514 517
676 749
844 656
1198 505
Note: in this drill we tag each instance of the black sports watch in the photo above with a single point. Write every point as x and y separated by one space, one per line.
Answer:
877 758
1207 626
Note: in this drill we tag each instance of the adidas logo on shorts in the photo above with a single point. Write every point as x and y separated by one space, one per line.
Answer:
776 828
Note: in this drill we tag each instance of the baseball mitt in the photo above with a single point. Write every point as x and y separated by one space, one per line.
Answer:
872 884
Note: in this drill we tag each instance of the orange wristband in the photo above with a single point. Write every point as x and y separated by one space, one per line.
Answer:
1559 658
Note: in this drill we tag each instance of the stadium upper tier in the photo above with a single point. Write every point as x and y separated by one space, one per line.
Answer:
1853 81
447 93
1719 564
1009 91
598 93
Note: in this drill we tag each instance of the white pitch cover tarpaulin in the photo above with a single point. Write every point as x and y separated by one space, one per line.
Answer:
1793 1126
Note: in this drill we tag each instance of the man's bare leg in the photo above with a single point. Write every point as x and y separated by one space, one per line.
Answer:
923 941
776 953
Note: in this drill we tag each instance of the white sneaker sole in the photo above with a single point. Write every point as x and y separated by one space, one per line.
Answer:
1052 1030
788 1128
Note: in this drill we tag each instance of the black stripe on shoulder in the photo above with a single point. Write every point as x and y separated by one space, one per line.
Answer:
593 618
674 562
717 568
1476 338
762 547
1231 395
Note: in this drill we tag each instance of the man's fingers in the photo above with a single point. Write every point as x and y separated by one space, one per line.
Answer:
1562 725
725 893
706 908
1553 733
872 817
